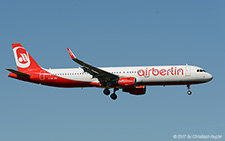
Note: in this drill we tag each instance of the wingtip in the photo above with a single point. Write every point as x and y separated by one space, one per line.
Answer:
71 54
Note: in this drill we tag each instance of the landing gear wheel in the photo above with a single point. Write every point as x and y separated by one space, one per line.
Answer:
189 92
106 91
113 96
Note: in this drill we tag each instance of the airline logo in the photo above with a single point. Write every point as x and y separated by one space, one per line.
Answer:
21 57
162 72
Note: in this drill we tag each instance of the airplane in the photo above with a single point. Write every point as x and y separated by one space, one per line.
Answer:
132 80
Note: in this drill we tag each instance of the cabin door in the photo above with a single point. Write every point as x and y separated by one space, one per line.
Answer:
188 71
42 75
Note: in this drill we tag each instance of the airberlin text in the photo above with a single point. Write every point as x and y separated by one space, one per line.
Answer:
162 72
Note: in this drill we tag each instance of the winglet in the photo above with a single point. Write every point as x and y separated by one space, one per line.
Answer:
71 54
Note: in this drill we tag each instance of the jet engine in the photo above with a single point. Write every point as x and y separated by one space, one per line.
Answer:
127 81
138 90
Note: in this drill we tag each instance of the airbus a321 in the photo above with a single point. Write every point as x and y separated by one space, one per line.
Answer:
132 80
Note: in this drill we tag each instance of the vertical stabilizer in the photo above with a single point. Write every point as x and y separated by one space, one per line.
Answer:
23 59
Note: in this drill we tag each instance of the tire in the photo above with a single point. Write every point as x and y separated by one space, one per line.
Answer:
106 91
189 92
113 96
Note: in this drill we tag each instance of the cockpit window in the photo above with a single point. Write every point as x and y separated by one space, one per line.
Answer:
200 70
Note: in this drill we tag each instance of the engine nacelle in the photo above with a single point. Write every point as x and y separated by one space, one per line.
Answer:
139 90
127 81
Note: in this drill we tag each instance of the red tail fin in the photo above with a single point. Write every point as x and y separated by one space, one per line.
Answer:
23 59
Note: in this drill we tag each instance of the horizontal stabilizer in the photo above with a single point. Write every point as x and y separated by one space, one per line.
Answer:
17 72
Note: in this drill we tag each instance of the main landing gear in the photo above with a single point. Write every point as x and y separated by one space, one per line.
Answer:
113 96
189 91
106 91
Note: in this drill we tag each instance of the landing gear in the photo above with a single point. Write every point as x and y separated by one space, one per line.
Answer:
113 96
189 91
106 91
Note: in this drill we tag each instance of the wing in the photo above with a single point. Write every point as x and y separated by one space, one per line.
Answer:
103 76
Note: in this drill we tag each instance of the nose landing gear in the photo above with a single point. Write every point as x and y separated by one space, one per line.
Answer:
189 91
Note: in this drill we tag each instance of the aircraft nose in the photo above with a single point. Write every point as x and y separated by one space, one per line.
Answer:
208 77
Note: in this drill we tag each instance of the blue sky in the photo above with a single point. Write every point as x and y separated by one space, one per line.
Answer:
113 33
